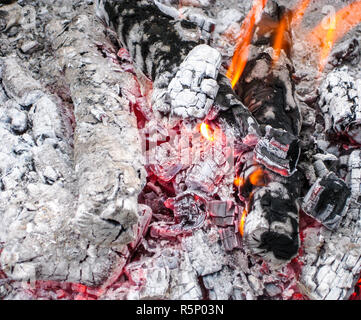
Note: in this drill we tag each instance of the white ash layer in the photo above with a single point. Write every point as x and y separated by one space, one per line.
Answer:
332 259
340 102
107 149
193 89
38 191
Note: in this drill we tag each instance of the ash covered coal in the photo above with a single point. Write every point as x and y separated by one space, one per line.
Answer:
132 170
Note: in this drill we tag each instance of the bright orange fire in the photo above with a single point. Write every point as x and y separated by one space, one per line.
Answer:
238 181
240 55
242 222
256 178
340 24
206 131
299 12
278 42
288 21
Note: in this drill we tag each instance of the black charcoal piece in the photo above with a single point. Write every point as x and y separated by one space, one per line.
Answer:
327 200
278 151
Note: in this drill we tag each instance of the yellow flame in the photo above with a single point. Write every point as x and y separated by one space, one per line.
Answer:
206 131
256 178
242 222
238 181
289 20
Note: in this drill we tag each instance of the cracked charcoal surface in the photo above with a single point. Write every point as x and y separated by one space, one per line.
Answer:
40 189
107 152
70 162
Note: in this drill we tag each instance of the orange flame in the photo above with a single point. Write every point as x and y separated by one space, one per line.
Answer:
238 181
278 42
206 131
341 23
297 14
240 56
288 21
256 178
242 222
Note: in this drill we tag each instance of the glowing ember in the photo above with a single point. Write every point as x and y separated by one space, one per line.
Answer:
339 24
206 131
257 178
238 181
240 56
241 223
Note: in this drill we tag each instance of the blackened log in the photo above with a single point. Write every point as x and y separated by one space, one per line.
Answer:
159 45
271 225
268 92
266 86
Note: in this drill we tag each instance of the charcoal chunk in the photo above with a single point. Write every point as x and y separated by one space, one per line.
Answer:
327 200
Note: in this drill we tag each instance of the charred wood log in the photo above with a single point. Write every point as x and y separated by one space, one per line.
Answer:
327 200
38 189
108 155
184 73
269 224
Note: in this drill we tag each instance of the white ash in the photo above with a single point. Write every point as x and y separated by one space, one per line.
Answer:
38 193
340 103
194 87
39 189
333 258
108 159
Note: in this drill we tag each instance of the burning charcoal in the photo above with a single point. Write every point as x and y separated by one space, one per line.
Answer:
340 103
213 166
278 151
327 200
189 211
